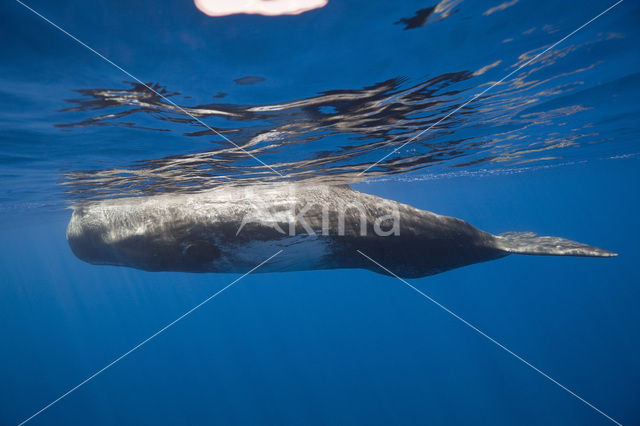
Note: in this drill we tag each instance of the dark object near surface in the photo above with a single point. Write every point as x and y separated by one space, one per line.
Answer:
250 79
418 20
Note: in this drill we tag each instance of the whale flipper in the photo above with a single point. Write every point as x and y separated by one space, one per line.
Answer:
530 243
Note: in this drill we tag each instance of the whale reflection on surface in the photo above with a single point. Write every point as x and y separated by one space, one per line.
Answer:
334 135
317 227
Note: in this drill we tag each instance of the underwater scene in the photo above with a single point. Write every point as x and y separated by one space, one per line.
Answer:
320 212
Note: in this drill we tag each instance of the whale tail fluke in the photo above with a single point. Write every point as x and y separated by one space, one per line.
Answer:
530 243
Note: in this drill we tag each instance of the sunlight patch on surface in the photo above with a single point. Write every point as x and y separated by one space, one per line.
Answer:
261 7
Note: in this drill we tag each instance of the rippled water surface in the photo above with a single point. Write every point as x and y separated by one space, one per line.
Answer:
467 108
322 95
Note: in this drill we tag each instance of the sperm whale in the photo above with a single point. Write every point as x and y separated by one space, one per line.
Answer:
316 226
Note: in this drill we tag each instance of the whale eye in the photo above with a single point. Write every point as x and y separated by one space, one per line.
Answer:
201 251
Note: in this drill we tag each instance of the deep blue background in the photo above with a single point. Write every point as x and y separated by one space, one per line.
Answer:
343 347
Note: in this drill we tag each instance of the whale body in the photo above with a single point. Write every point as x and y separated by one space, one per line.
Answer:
316 227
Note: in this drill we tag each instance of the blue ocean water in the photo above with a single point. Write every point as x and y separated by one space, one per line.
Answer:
319 97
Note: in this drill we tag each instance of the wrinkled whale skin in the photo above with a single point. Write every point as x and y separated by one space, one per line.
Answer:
233 230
